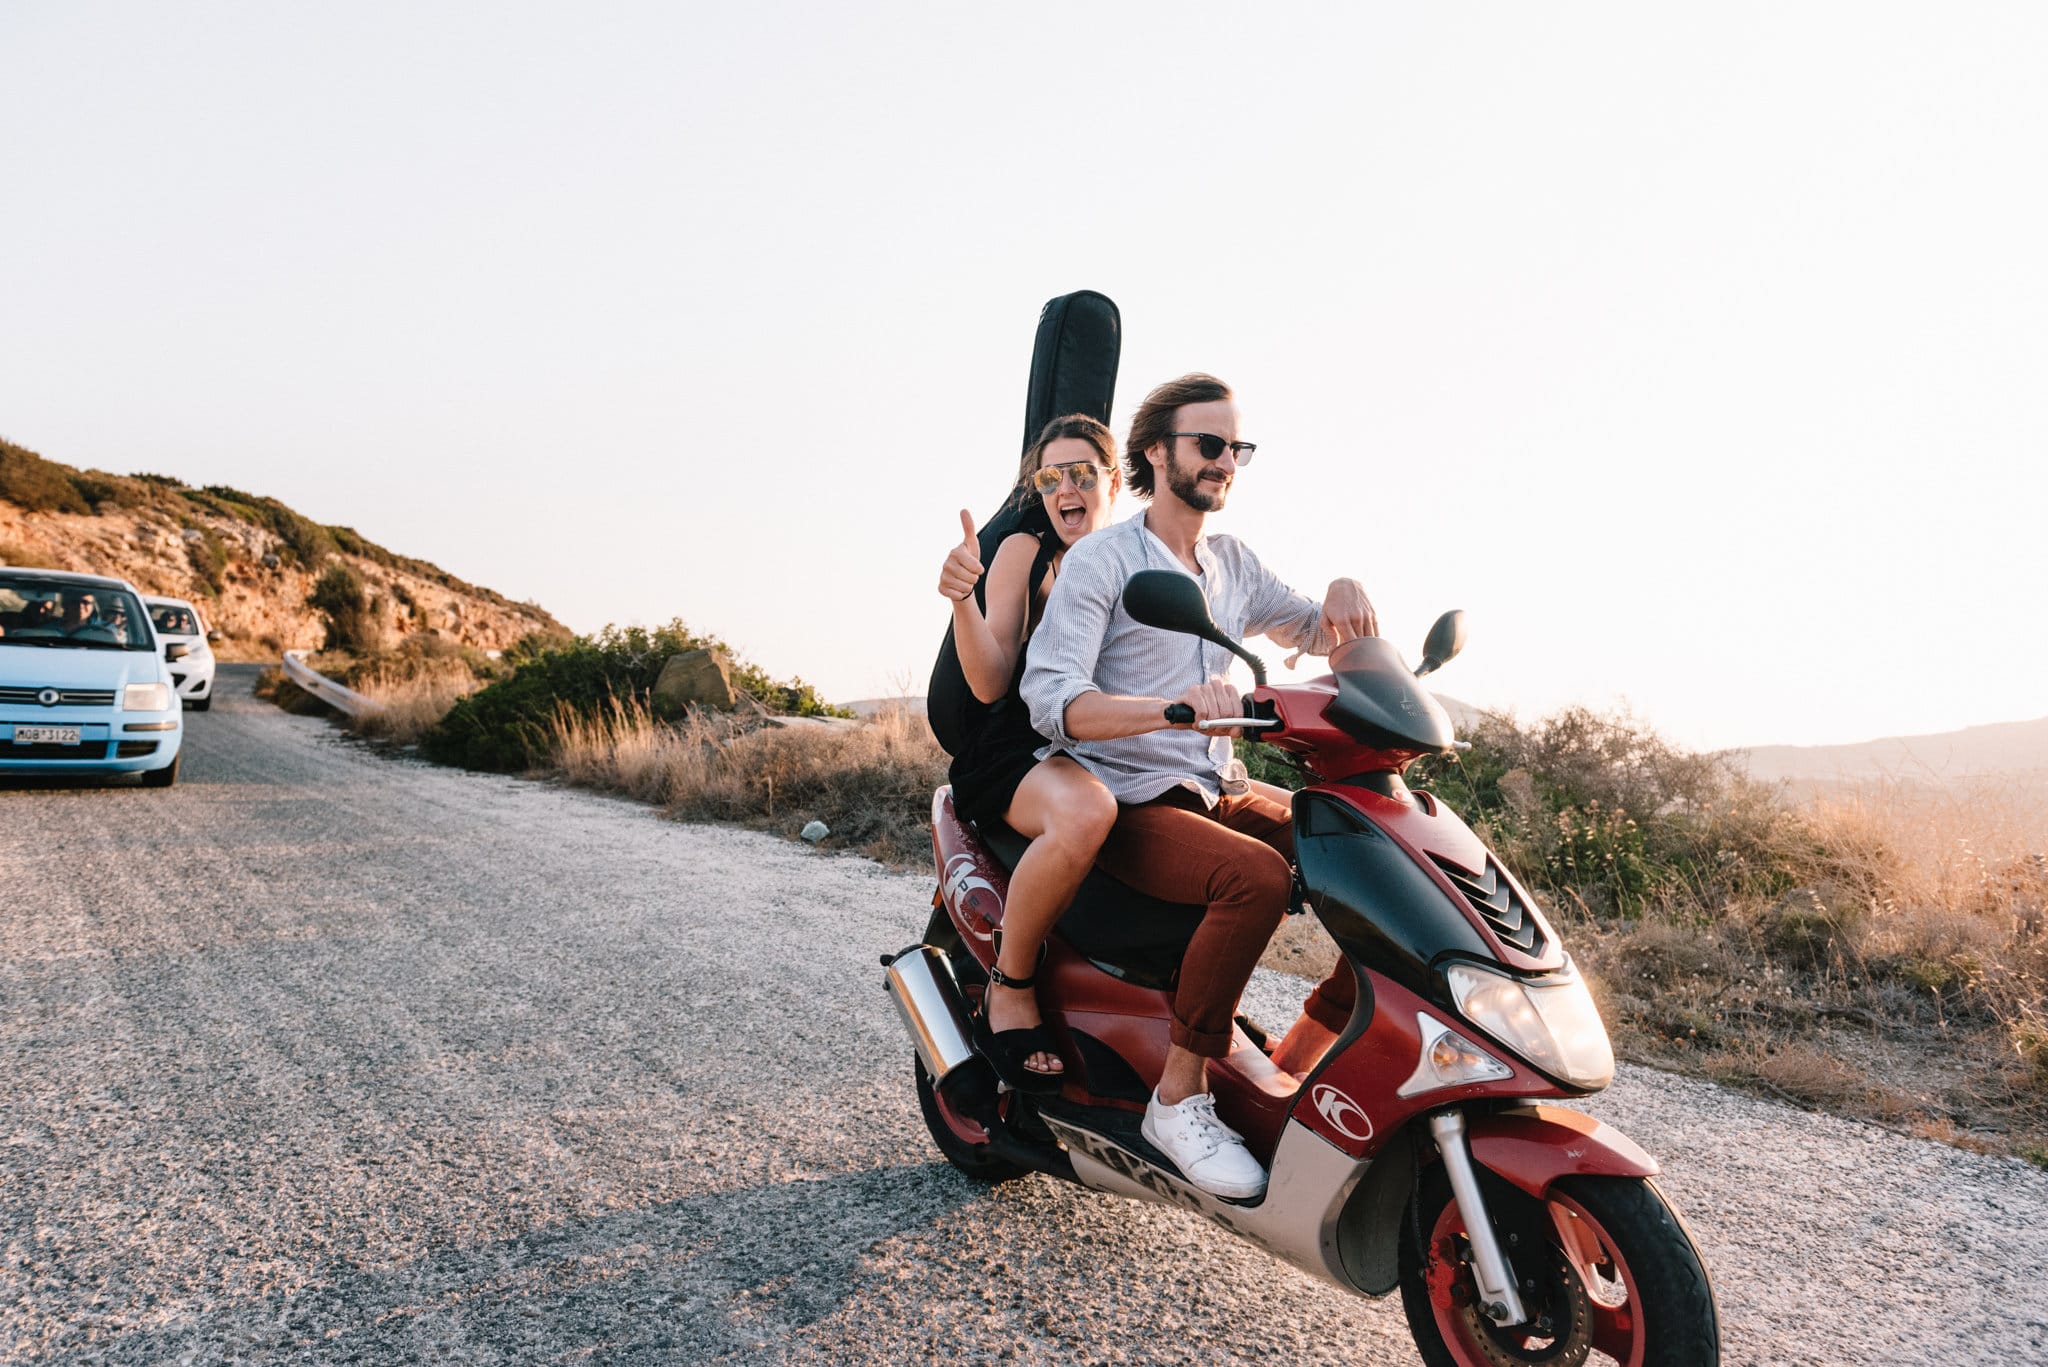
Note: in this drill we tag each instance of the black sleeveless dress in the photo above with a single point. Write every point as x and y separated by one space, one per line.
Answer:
1000 747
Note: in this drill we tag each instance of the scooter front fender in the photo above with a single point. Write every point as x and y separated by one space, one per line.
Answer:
1533 1146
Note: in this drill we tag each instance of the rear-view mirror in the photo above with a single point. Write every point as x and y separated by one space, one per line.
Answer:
1445 640
1174 602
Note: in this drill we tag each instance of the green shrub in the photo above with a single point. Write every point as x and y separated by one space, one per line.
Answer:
508 726
306 542
1601 812
38 485
209 557
351 623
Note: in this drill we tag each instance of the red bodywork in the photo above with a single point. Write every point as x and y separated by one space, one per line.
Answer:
1350 1100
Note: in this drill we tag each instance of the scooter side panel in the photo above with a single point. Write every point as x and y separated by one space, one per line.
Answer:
1297 1219
972 884
1533 1146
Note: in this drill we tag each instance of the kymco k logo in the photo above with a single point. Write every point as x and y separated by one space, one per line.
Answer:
1342 1112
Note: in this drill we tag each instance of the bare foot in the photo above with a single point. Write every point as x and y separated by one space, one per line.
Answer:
1016 1008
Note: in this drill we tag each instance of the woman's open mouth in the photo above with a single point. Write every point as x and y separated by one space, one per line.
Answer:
1072 515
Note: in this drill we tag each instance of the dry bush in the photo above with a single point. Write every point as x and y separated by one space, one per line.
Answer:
1800 1071
871 783
20 557
1960 911
411 706
416 684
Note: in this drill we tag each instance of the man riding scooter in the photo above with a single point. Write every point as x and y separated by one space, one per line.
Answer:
1190 827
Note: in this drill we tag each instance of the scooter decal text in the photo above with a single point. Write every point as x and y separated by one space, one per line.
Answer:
1134 1169
964 893
1341 1113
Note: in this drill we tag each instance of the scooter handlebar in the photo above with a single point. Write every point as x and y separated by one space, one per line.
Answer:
1180 714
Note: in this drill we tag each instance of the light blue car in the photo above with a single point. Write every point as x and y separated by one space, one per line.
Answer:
84 685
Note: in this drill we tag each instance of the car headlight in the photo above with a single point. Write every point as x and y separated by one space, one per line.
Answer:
154 697
1550 1021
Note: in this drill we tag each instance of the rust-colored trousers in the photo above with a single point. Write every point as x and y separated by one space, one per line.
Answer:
1233 858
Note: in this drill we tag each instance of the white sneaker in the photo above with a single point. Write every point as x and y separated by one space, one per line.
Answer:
1208 1152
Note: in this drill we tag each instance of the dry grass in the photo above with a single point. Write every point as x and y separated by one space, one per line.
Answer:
411 705
870 783
1909 988
414 684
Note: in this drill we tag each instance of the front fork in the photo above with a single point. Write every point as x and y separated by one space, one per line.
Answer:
1498 1299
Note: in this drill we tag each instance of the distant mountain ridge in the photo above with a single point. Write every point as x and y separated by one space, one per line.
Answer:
2014 747
247 560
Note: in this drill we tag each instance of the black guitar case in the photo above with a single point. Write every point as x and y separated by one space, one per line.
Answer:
1073 370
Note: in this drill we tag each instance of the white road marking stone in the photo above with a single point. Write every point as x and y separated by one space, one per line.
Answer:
324 1056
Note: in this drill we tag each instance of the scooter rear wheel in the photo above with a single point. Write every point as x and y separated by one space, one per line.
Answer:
1616 1279
961 1138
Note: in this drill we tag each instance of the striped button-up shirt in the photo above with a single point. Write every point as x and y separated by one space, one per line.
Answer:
1086 642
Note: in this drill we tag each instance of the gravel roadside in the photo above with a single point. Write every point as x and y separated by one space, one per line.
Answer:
323 1056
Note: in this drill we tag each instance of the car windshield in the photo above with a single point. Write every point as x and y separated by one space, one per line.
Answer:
35 611
172 620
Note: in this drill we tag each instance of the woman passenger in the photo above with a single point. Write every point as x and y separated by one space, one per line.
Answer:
1072 470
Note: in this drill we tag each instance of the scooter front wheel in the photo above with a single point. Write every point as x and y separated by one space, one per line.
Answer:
1606 1271
960 1137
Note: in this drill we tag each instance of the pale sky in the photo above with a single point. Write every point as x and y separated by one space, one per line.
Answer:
1696 352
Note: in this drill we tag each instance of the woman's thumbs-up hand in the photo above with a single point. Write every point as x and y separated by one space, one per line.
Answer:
963 563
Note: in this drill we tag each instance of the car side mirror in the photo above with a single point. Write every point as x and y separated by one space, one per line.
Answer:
177 650
212 636
1445 640
1174 602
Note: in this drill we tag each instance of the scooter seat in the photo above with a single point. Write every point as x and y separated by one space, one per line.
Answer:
1122 931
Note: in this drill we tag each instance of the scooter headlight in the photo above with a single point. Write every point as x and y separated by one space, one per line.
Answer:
1550 1021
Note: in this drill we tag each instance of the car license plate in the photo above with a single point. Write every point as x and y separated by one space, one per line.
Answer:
46 735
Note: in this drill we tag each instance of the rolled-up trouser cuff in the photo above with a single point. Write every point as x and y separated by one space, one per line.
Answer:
1207 1043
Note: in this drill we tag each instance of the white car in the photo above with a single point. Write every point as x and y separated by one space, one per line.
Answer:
85 685
177 622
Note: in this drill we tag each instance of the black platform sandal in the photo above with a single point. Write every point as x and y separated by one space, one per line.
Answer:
1007 1050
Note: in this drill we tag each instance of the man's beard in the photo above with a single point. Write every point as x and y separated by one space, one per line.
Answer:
1189 487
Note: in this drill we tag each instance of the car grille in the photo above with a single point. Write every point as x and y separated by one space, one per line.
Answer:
66 697
1493 897
91 750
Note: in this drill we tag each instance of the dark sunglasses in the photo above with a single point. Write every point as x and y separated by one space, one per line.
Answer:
1085 473
1213 446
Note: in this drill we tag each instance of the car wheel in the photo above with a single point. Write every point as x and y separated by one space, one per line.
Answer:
164 777
200 704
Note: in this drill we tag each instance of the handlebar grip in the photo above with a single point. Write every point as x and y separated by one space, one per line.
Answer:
1179 713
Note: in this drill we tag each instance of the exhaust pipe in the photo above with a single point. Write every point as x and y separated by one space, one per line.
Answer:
921 981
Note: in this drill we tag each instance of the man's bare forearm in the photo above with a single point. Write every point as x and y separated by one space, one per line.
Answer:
1098 716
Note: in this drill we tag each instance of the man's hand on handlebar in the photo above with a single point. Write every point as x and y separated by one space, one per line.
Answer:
1216 700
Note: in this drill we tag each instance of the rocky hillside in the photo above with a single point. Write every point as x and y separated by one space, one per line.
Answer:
248 561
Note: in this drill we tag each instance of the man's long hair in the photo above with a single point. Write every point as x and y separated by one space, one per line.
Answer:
1157 416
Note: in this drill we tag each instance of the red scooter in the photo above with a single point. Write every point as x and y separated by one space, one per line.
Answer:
1413 1154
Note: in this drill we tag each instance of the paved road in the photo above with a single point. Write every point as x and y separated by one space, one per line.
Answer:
328 1057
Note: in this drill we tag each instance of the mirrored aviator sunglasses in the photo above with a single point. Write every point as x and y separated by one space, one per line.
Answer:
1085 473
